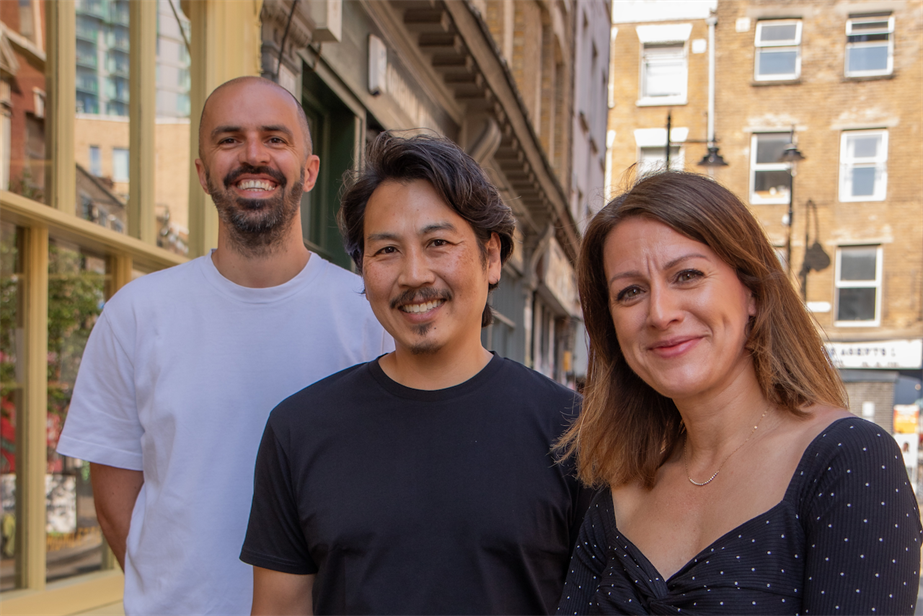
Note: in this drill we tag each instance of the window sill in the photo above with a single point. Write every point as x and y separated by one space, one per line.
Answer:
794 81
660 102
864 200
854 78
857 323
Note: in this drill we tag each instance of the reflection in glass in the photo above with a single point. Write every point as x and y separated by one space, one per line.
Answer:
858 263
22 99
101 125
171 134
11 394
76 293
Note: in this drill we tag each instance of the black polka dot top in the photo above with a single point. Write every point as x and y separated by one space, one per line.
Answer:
844 540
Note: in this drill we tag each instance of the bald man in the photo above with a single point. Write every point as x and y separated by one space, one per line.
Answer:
184 365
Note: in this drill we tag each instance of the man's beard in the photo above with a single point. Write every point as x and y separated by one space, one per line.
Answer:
256 226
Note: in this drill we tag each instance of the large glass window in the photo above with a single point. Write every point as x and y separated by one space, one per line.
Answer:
171 133
76 293
869 45
769 178
11 395
663 72
778 50
858 285
864 165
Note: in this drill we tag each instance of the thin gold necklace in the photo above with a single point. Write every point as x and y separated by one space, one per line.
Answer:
712 478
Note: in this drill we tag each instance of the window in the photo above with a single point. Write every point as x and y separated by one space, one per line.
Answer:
858 285
96 163
769 178
778 50
863 165
119 165
663 73
869 46
651 159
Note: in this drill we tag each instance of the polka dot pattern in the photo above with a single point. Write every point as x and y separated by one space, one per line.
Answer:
844 540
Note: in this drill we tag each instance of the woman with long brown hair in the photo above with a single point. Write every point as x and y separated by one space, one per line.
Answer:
736 479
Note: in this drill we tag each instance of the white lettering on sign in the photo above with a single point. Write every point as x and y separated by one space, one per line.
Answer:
891 354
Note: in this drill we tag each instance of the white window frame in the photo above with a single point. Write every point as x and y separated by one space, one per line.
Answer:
848 163
661 36
645 99
756 167
850 31
769 47
858 284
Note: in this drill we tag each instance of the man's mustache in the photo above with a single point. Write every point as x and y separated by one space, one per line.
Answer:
425 294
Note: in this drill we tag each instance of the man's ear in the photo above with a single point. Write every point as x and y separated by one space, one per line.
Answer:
200 171
494 266
311 169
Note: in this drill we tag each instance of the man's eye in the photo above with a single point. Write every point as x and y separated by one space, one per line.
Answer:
440 243
387 250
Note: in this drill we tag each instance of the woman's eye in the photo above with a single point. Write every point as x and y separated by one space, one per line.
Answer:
687 275
628 293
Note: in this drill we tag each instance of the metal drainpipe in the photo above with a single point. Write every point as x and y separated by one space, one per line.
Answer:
711 21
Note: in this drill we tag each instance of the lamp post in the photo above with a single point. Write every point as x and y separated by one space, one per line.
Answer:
792 156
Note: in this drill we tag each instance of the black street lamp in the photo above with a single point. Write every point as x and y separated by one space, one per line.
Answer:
792 156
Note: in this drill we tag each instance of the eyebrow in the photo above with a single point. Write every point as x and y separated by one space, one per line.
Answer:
669 265
271 128
393 237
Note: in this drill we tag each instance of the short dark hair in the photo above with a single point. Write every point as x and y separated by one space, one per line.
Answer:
626 429
456 177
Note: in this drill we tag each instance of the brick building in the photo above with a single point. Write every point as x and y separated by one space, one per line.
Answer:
843 80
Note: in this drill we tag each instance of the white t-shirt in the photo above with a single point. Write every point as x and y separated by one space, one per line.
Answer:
177 380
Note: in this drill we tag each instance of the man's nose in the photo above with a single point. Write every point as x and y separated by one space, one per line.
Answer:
254 153
416 270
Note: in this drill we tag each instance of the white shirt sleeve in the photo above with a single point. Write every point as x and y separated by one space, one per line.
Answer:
102 423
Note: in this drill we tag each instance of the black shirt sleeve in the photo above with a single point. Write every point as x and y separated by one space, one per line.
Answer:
274 537
862 527
589 558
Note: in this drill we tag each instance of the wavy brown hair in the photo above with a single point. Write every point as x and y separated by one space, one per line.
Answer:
626 430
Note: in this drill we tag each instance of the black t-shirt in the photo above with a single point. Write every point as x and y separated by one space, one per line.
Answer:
419 502
845 539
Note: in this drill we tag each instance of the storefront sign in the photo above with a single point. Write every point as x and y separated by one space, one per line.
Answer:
890 354
906 418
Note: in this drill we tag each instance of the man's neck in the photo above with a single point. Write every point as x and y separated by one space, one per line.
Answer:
432 371
277 266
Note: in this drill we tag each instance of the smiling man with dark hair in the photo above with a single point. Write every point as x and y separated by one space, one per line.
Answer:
183 366
422 482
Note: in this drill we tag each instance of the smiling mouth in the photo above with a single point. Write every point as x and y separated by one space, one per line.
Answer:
260 185
421 308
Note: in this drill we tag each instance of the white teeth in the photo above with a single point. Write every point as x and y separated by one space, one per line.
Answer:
254 185
418 308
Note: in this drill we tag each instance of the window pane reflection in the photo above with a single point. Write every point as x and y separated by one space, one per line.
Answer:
101 125
11 394
76 293
171 133
22 99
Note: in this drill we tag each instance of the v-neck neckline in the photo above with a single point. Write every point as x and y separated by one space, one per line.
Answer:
641 557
